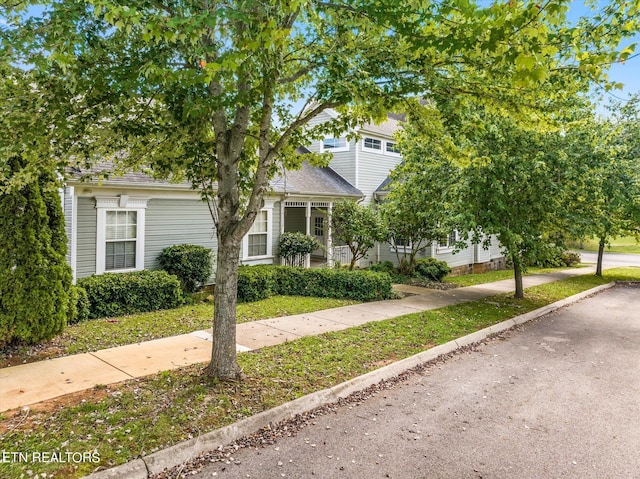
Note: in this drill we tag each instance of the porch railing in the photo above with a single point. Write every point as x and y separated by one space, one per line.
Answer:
342 254
301 260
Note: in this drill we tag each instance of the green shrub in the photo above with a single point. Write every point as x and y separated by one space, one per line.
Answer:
552 255
431 269
293 244
259 282
384 267
79 308
117 294
190 263
569 258
289 280
35 278
256 283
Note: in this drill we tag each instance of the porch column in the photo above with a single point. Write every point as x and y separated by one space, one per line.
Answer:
307 259
329 241
282 206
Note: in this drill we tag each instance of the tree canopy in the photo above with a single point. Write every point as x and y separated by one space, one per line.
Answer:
221 92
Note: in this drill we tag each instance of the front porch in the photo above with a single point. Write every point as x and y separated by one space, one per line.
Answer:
313 218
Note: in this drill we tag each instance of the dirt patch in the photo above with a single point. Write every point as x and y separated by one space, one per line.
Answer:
28 416
16 354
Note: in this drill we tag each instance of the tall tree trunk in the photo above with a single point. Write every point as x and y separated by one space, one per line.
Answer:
224 362
600 256
517 274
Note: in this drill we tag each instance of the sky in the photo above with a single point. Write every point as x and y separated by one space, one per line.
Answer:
627 73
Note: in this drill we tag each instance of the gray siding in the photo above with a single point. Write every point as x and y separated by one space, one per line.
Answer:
461 258
344 163
67 209
373 168
495 250
171 222
86 231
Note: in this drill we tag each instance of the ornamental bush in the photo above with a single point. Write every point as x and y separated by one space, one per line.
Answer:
431 269
260 282
35 278
117 294
551 255
293 244
190 263
384 267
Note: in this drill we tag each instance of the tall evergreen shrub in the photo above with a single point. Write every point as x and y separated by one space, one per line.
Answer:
35 279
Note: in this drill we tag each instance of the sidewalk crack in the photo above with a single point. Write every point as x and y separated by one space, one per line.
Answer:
114 367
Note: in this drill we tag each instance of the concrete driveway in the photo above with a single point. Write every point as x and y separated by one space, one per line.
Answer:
558 398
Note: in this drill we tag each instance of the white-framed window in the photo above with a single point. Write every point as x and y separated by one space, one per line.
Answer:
375 145
335 144
120 234
401 244
372 144
391 148
257 242
121 239
449 241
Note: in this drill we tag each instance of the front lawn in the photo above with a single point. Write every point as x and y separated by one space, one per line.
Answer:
105 333
499 275
626 244
141 416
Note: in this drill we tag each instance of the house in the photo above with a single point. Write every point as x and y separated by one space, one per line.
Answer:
122 223
366 163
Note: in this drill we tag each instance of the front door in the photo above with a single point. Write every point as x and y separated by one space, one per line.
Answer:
319 231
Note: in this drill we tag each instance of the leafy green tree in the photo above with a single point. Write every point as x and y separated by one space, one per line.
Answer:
419 208
514 188
605 185
359 227
35 280
205 89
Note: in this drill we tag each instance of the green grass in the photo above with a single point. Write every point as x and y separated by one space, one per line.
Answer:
625 244
491 276
110 332
142 416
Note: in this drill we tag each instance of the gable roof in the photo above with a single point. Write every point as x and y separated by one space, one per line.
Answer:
386 128
384 186
312 180
308 180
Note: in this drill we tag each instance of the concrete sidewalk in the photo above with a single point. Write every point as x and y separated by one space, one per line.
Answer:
31 383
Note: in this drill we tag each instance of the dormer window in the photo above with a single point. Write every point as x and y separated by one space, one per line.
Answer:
335 144
392 148
372 144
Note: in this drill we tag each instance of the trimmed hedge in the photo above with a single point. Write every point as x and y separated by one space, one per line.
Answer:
118 294
256 283
191 263
260 282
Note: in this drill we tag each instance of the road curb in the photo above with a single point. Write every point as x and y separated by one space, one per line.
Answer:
173 456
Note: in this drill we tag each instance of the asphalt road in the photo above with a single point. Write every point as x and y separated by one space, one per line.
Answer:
612 260
558 398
